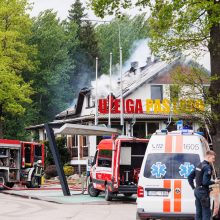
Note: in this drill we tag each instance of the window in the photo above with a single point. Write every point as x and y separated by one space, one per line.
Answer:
90 102
172 127
170 166
105 158
139 130
27 154
152 127
74 141
157 92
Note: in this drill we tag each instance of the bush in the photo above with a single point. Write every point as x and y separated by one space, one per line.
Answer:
68 170
50 171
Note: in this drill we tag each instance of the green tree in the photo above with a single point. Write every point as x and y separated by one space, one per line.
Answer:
86 50
131 29
77 13
15 30
181 26
64 153
51 80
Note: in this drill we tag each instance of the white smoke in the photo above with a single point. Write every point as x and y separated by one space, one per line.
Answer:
139 52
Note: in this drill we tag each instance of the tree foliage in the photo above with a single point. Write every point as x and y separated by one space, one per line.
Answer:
85 52
15 53
51 81
64 154
44 62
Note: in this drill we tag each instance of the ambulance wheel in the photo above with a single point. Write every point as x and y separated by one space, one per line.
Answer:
137 216
108 194
92 191
128 194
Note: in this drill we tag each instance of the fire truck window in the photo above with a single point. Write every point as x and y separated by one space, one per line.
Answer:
27 154
105 158
170 166
38 151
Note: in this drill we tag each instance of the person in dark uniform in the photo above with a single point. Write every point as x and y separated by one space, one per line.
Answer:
202 175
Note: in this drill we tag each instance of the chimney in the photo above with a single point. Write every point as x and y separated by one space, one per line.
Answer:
134 66
149 62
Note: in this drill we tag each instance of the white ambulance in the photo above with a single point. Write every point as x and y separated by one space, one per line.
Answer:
163 188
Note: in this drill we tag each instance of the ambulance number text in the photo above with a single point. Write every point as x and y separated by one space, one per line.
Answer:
191 146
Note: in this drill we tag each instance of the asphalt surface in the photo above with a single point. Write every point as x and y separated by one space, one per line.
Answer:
57 196
23 208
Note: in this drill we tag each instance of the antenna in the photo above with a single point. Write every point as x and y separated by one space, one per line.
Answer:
122 105
96 92
110 91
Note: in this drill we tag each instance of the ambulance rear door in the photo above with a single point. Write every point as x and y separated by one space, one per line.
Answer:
168 162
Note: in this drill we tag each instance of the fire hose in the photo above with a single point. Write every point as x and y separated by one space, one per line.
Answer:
74 188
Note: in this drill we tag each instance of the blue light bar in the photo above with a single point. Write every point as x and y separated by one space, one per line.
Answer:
187 131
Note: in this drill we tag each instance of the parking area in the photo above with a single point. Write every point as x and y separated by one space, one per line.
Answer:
56 196
18 208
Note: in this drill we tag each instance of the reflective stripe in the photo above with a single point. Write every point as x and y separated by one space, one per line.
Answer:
179 144
177 195
168 144
166 202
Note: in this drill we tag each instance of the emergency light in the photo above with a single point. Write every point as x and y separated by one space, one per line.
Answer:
187 131
162 131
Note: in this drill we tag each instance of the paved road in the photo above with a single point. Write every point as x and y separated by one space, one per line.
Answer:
16 208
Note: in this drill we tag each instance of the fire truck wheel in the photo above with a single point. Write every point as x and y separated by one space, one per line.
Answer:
10 184
128 194
137 217
108 194
2 178
92 191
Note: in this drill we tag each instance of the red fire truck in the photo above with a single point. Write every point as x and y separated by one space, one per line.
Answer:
21 162
116 166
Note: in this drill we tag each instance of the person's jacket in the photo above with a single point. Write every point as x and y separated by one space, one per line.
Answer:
202 174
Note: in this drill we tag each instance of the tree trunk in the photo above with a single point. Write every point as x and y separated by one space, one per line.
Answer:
214 49
1 121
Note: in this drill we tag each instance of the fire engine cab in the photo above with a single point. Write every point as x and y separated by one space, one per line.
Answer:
21 162
116 166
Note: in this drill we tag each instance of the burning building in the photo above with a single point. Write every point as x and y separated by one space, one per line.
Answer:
150 82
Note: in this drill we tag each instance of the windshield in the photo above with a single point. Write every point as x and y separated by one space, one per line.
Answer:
170 165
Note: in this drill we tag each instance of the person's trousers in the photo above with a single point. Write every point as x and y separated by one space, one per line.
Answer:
203 211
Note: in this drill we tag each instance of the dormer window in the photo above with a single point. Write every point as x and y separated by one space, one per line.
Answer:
89 101
157 92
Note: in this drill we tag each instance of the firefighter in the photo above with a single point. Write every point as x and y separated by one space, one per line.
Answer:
202 175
